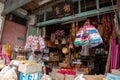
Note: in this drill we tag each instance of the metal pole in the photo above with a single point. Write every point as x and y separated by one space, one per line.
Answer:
98 7
43 30
97 4
79 6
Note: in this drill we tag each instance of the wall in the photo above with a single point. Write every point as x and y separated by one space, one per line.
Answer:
11 32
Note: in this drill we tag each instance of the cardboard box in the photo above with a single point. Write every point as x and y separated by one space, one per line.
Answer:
52 74
55 70
30 69
116 72
94 77
69 77
59 76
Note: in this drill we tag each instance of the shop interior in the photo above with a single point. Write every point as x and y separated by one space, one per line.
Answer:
97 55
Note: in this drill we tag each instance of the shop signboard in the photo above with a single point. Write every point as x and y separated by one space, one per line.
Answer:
63 9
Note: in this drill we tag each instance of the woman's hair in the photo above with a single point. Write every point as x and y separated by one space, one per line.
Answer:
37 52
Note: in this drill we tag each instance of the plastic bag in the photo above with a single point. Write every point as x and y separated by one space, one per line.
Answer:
46 77
80 77
85 51
4 70
10 75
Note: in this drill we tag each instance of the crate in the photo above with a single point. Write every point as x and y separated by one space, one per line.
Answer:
34 76
29 69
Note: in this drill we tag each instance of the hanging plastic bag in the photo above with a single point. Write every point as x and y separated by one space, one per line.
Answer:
4 70
29 42
46 77
85 51
10 75
42 44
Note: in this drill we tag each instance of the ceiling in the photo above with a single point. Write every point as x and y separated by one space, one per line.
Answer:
37 5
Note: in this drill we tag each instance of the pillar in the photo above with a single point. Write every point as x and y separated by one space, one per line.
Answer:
2 18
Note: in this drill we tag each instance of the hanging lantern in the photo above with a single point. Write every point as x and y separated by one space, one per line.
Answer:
64 50
88 36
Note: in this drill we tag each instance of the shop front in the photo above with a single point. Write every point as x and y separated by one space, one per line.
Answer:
72 40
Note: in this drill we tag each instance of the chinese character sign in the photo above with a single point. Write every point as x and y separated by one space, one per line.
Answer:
63 9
